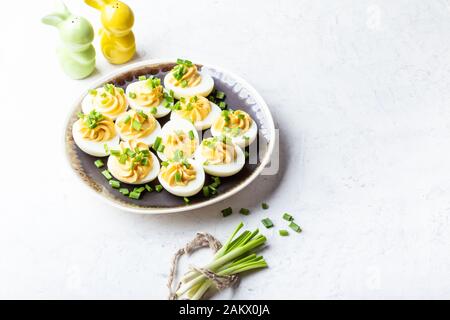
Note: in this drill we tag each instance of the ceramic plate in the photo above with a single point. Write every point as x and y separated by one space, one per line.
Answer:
239 94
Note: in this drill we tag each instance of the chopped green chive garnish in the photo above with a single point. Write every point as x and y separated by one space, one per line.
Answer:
148 188
283 233
93 92
115 152
132 95
227 211
186 200
158 188
267 223
161 148
142 78
212 190
265 206
206 191
127 119
106 174
135 195
241 116
212 99
136 125
114 183
191 135
246 154
123 158
99 163
153 110
288 217
105 146
124 191
164 163
220 95
295 227
157 143
139 189
222 104
177 176
184 83
244 211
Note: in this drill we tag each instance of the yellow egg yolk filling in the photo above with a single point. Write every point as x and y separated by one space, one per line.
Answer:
235 122
195 108
217 152
133 162
185 76
136 124
109 100
146 95
179 141
178 174
97 127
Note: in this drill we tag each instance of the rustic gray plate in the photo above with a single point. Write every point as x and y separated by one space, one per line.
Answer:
239 94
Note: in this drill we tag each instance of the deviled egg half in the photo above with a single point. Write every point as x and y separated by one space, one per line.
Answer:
178 136
186 81
148 94
220 156
237 125
133 163
196 109
109 100
138 125
95 133
182 177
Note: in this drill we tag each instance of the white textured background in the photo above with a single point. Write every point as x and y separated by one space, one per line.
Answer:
360 91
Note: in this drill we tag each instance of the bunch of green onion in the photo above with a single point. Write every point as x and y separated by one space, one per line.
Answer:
234 257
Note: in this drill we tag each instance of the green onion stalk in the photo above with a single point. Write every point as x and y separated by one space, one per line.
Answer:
234 257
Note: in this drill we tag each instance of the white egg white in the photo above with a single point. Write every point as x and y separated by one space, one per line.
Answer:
192 188
149 140
153 173
87 104
177 125
243 139
204 88
205 123
161 111
93 148
225 169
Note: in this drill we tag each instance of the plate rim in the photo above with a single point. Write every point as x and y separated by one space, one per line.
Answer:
149 62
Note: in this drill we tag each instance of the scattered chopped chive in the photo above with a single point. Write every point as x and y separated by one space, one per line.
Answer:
184 83
186 200
244 211
114 183
191 135
136 125
127 119
157 143
227 211
177 176
139 189
106 174
123 158
135 195
283 233
148 188
264 205
212 99
164 163
295 227
158 188
216 182
124 191
93 92
246 138
105 146
220 95
206 191
288 217
267 223
132 95
115 152
161 148
142 78
153 110
222 104
246 154
212 190
99 163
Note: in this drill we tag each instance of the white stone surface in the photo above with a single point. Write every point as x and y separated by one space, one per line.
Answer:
360 92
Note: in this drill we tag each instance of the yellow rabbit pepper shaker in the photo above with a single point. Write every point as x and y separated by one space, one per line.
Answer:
116 38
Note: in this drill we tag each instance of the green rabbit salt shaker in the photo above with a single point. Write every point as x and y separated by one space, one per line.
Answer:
76 53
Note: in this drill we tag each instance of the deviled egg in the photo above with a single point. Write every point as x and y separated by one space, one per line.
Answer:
133 163
237 125
147 94
108 100
178 136
186 81
138 125
182 177
196 109
95 133
220 156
